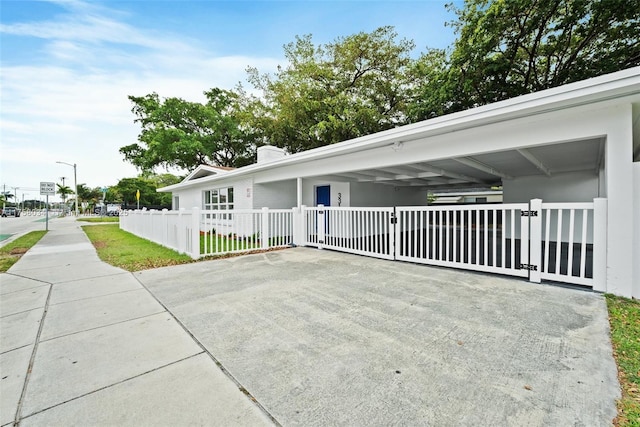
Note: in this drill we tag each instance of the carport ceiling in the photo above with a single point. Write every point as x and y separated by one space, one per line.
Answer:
487 169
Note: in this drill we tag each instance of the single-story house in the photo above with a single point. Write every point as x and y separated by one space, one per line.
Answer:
572 144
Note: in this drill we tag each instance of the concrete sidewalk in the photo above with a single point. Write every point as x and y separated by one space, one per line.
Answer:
84 343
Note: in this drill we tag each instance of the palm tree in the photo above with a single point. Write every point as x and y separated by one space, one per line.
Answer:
63 191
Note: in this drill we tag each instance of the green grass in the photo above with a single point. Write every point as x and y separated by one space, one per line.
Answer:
223 244
624 317
132 253
100 219
11 252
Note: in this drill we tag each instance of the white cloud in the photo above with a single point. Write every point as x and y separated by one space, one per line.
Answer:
71 105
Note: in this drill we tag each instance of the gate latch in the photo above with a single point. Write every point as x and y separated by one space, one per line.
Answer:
528 213
530 267
394 220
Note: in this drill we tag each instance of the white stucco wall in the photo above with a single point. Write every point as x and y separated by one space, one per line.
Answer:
365 194
275 195
341 189
568 187
243 199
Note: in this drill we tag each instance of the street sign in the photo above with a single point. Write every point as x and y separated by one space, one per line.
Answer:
47 188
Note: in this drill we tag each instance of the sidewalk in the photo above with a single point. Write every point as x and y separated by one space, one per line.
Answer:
84 343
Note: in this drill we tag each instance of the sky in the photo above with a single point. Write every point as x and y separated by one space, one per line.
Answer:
67 68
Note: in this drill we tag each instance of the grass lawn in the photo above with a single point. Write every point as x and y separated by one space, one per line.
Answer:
223 244
624 317
100 219
11 253
124 250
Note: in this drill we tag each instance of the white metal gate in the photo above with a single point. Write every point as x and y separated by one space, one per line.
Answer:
490 238
563 242
362 231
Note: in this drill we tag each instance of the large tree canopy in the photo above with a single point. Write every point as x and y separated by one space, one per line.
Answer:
355 86
508 48
368 82
185 134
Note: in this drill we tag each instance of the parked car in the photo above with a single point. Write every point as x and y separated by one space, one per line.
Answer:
11 212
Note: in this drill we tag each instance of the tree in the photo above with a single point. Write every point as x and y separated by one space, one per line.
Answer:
64 191
513 47
89 195
186 134
355 86
147 185
5 196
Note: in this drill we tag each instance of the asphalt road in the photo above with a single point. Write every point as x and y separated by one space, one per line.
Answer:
12 228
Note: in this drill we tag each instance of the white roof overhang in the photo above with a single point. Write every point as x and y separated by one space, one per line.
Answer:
475 168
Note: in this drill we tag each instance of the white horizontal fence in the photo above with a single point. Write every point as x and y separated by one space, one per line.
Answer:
475 237
212 232
362 231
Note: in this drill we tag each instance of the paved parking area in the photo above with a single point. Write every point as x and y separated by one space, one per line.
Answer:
325 338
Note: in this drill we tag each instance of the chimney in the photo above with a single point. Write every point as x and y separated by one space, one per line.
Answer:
269 153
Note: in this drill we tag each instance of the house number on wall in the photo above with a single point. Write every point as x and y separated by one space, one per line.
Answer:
248 192
339 199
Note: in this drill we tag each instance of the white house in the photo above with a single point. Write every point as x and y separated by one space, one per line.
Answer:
570 144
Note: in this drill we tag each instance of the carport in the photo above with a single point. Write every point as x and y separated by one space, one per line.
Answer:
568 151
566 159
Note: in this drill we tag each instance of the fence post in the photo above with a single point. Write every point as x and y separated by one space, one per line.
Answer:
600 245
320 225
181 237
304 233
165 228
535 240
195 233
296 226
525 261
264 220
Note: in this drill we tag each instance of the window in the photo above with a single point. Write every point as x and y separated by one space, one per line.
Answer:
219 199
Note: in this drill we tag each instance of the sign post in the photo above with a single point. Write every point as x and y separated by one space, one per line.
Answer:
138 198
47 189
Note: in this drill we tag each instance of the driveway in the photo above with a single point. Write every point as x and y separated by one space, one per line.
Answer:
325 338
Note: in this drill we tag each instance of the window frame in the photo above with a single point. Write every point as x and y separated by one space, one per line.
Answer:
219 199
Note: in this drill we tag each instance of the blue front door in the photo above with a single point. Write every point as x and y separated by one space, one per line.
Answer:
323 195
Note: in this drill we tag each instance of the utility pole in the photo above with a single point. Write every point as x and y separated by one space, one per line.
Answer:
15 195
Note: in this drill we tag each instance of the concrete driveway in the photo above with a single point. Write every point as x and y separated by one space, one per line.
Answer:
325 338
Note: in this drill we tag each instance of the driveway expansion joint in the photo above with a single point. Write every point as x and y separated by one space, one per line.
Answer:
110 385
103 326
219 364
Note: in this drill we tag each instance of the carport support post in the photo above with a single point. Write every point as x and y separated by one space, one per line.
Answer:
195 233
600 245
535 240
264 240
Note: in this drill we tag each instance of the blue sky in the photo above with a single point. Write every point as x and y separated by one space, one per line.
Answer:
68 66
